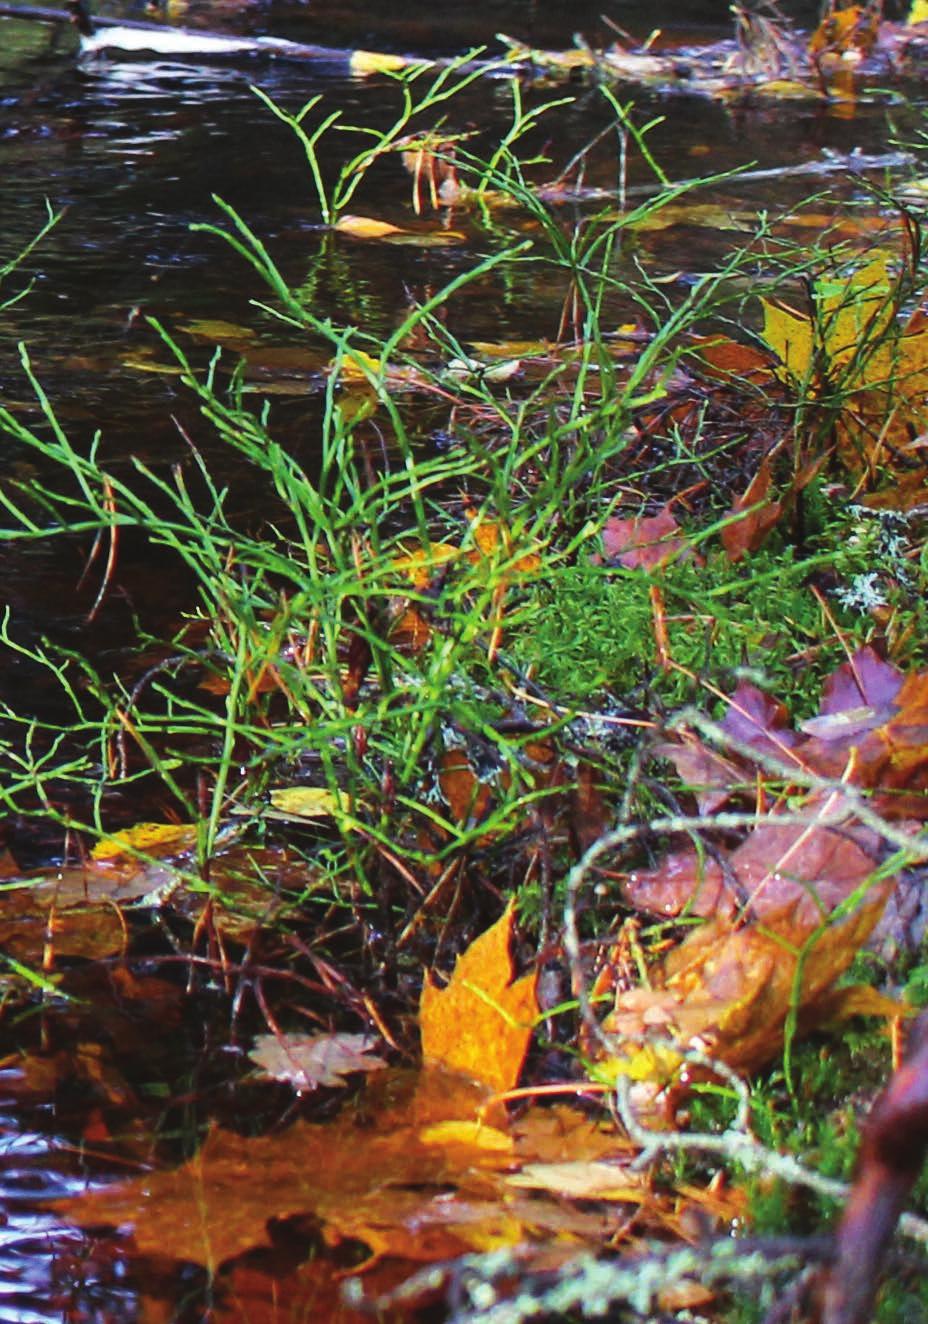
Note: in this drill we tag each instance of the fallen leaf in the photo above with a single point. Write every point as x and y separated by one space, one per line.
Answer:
365 63
365 227
481 1022
309 1061
584 1180
729 989
644 542
145 839
298 802
754 515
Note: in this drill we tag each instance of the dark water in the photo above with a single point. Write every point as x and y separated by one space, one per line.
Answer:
133 153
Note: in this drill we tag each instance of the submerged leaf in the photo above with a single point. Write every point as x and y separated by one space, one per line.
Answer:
307 1061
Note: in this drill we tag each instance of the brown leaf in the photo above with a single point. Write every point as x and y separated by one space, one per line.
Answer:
747 533
467 798
683 881
729 359
481 1022
730 989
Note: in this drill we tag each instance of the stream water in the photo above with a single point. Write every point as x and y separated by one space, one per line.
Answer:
133 153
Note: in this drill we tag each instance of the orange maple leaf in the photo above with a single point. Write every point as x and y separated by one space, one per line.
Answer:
481 1023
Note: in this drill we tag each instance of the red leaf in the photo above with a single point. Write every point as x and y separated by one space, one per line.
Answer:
643 543
864 681
755 719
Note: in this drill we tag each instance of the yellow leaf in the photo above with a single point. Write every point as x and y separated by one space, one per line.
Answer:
919 11
856 311
512 349
656 1062
851 29
851 315
490 537
481 1023
790 335
364 63
476 1135
420 564
356 365
309 801
146 839
366 227
217 331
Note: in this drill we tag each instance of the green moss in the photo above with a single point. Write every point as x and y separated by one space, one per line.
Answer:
594 627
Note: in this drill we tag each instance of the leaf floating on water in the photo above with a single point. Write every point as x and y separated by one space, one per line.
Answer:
465 370
308 1061
298 802
365 63
218 332
146 839
365 227
368 227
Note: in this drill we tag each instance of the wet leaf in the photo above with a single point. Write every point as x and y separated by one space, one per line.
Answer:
309 1061
368 227
146 839
481 1022
705 215
365 227
403 1172
298 802
463 370
365 63
217 332
730 359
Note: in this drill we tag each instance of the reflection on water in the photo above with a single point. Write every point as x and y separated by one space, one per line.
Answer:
133 152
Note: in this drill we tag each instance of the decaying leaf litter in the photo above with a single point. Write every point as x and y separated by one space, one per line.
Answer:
698 865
